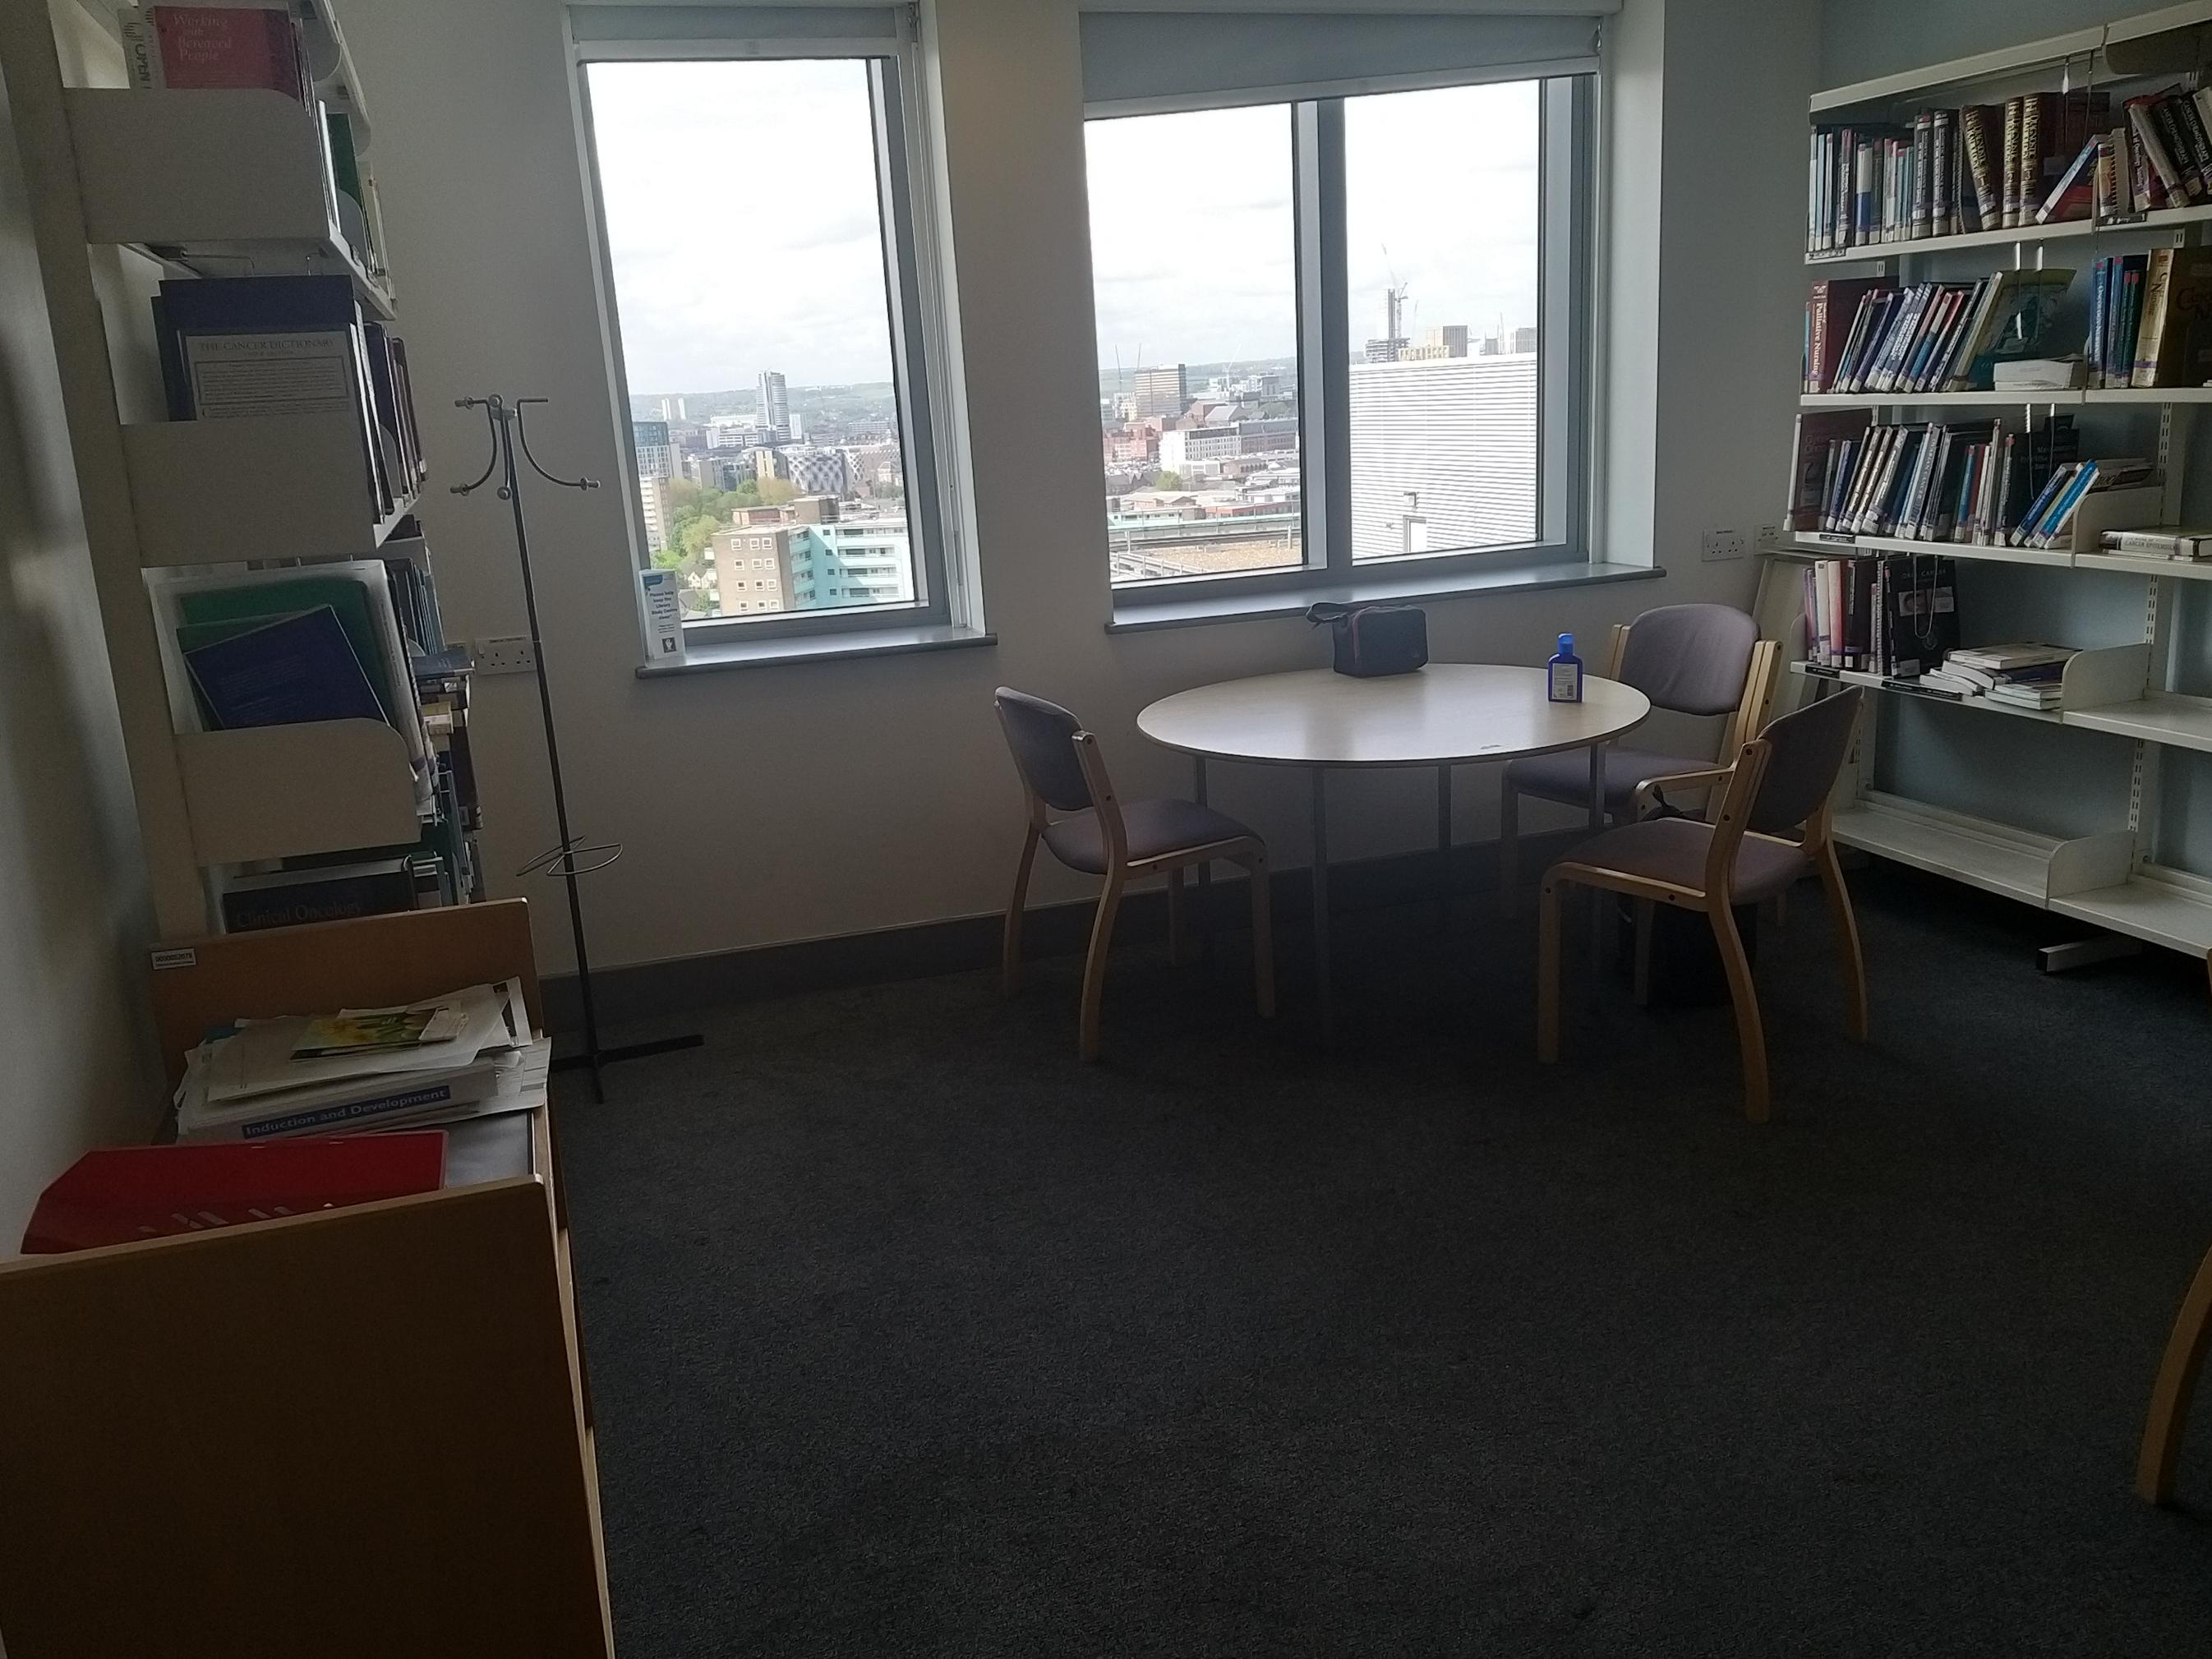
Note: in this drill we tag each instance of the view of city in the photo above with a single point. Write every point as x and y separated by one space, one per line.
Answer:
787 491
1204 465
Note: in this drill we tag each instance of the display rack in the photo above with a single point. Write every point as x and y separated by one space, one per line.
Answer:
2125 692
215 184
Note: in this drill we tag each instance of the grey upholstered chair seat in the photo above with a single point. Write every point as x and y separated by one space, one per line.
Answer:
1673 850
1565 777
1153 827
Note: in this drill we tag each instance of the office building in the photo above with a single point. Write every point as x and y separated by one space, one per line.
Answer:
775 415
1162 392
816 471
1460 433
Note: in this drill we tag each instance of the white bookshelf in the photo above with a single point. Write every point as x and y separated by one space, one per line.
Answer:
238 189
211 184
2121 692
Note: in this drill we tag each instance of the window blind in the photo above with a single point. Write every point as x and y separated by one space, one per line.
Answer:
619 30
1136 61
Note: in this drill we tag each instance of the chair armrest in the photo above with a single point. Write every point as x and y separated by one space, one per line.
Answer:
1648 792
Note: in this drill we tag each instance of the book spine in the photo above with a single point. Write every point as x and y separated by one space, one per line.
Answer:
2166 181
2157 283
2092 348
425 1098
1816 339
2105 189
2009 212
2189 122
142 55
2034 136
2165 117
1941 208
1863 209
1923 195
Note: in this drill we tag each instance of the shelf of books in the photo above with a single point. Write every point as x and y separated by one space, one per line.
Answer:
317 760
2017 389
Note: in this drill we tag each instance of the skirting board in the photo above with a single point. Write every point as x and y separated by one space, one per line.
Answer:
657 990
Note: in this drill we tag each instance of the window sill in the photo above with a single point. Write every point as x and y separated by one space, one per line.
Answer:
817 647
1218 607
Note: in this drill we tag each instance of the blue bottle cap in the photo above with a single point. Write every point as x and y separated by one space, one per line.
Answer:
1566 645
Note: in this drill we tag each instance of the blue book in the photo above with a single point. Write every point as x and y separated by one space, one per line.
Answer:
297 668
2061 511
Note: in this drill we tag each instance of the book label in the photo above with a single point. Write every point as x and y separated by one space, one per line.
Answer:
262 375
184 957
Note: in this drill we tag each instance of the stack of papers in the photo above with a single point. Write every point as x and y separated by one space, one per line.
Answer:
472 1057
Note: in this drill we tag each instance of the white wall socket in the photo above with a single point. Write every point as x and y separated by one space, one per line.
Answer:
511 654
1723 544
1769 537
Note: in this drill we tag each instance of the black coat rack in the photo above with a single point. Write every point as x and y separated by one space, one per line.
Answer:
573 858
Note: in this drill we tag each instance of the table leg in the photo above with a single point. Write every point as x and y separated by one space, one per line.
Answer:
1598 901
1320 902
1443 847
1204 870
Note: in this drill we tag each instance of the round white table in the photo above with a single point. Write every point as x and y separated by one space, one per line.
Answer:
1444 716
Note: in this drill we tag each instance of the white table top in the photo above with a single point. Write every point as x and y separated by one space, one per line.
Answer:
1446 713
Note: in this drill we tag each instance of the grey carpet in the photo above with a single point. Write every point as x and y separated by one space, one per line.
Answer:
908 1334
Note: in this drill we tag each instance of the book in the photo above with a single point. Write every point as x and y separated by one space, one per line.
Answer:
1830 312
2008 657
237 46
1980 179
2168 190
117 1196
2037 374
299 667
243 347
2162 542
372 1030
290 897
2074 195
2174 343
2009 212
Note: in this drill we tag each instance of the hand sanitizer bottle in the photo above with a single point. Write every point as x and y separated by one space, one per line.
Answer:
1566 681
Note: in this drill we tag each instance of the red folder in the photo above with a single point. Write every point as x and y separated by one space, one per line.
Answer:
119 1196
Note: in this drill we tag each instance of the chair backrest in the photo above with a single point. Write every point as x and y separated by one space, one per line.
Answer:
1690 658
1041 736
1805 751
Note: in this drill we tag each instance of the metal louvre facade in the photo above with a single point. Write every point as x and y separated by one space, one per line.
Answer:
1460 433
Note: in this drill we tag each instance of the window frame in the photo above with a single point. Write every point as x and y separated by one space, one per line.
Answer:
1566 175
917 312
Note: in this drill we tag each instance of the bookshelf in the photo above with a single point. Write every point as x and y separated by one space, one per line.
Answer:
141 185
2127 691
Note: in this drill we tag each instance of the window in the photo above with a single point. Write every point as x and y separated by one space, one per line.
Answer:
1341 294
1195 256
771 351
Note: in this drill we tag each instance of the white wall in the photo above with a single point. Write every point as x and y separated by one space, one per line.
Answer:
864 795
75 1048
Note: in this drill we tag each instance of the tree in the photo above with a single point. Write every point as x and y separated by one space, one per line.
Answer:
775 492
1168 479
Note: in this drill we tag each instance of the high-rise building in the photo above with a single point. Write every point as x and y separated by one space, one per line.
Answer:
775 405
656 455
1162 392
654 497
671 408
1459 434
1523 341
809 562
656 465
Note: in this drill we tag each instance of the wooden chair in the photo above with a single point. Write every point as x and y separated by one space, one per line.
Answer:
1062 771
1780 780
1691 658
2170 1393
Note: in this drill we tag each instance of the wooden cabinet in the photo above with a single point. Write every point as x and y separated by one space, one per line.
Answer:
361 1432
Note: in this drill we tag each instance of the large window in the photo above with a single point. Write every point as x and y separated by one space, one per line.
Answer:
1194 254
770 331
1341 334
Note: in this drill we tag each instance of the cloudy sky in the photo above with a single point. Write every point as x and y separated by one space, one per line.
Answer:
742 213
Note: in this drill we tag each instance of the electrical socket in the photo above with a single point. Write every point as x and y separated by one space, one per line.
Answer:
511 654
1770 538
1722 545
